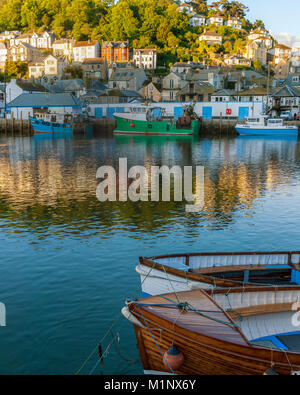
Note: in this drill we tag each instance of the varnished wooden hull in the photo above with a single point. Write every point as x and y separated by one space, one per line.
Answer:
204 359
208 352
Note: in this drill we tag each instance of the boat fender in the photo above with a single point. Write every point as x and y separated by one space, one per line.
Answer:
132 125
173 357
150 126
271 372
130 317
228 111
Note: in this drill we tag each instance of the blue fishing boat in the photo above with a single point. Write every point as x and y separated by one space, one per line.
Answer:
265 127
52 123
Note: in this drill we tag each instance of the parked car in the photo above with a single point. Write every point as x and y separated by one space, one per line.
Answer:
286 115
297 117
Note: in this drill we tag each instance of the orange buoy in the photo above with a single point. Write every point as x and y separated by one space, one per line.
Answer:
174 357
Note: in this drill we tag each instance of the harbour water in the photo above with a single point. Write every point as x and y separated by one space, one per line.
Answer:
67 261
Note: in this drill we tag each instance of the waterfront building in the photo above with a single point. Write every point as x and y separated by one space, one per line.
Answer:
27 105
224 95
17 87
206 110
286 97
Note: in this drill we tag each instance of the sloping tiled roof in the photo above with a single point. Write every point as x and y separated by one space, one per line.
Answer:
29 86
211 34
115 44
224 92
45 100
282 46
62 86
144 51
85 44
285 91
93 61
254 92
124 75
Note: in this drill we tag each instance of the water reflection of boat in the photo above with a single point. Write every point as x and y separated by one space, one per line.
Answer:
226 332
155 121
267 138
52 123
38 137
151 139
183 272
261 127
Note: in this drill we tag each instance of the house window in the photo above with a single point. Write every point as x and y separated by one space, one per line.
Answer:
171 95
171 84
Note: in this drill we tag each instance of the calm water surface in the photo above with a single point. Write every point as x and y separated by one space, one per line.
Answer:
68 261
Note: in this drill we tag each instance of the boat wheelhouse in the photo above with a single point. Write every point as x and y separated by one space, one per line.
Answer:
262 126
52 123
156 121
183 272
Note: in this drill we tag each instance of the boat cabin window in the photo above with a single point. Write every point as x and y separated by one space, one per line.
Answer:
253 120
275 121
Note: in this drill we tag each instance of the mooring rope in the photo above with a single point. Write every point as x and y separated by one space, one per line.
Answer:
117 319
155 341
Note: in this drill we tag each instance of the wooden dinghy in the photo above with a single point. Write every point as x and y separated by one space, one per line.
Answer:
183 272
190 333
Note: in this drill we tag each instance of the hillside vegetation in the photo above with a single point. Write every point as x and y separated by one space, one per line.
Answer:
145 23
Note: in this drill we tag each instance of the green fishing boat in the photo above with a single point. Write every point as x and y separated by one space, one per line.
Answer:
155 121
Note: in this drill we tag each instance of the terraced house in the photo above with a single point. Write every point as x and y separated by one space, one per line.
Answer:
24 52
146 58
127 79
85 49
115 51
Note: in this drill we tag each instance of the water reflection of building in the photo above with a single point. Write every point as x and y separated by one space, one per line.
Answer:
62 175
